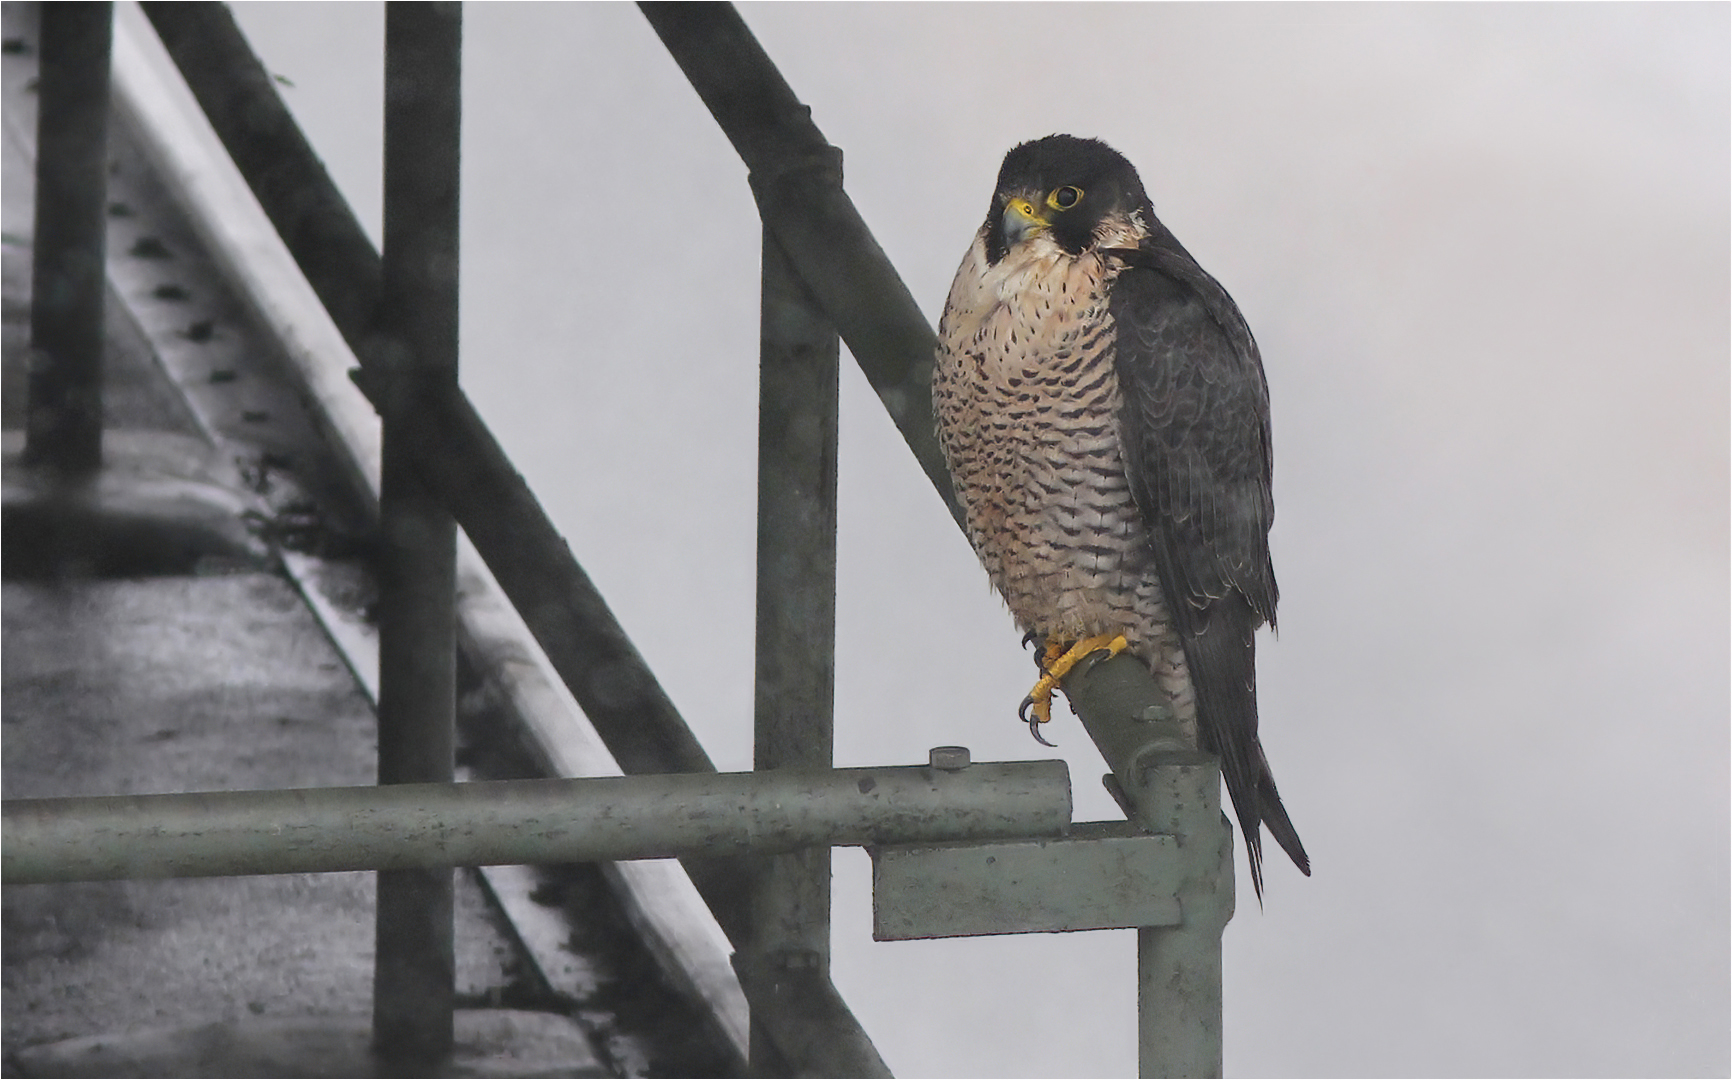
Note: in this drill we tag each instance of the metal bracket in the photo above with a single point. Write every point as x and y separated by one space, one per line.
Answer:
1102 876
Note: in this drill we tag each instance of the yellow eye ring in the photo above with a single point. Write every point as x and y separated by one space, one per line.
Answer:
1064 198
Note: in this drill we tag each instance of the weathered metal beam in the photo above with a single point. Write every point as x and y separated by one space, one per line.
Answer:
1169 788
240 99
414 971
794 703
817 225
404 826
63 421
807 1021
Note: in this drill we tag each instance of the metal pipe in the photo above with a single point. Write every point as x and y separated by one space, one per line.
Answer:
787 957
1179 993
1167 787
1179 1030
414 972
806 1019
63 423
240 99
829 248
404 826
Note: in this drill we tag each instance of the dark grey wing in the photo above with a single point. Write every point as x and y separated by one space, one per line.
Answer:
1195 427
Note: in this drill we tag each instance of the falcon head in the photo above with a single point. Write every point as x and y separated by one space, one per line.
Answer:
1078 193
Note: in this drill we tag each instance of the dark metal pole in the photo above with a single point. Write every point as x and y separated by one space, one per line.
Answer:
241 101
795 677
414 976
800 1026
63 427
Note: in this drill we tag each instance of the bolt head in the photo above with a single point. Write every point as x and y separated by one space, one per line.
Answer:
949 758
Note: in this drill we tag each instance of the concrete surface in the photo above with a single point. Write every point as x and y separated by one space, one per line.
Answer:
493 1042
180 684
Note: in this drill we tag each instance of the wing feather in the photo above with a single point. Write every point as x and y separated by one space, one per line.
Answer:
1194 422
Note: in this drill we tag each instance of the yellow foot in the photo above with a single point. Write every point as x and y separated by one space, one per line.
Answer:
1056 662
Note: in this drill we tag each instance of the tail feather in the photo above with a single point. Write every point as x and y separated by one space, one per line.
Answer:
1221 656
1280 826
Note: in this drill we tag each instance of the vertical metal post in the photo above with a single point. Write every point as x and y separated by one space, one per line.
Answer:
1179 967
796 632
796 601
416 346
63 428
1167 787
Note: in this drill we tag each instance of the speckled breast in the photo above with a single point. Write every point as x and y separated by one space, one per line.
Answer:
1027 404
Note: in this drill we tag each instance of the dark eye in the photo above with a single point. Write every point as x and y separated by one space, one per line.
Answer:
1064 198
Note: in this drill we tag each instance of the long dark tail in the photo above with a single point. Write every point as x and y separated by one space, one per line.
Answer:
1223 660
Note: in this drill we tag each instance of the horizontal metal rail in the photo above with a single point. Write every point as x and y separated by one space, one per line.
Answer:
405 826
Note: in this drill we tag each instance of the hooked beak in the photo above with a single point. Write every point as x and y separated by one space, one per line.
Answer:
1020 219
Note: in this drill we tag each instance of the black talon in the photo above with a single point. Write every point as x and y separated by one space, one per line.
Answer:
1034 729
1033 722
1028 638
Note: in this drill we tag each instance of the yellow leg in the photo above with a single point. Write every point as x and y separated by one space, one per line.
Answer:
1057 662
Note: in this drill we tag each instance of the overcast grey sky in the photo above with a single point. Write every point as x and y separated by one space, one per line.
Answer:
1485 252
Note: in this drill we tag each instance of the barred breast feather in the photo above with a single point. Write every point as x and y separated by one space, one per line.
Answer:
1027 401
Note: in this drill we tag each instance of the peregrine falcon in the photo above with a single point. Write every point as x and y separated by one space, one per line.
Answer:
1102 408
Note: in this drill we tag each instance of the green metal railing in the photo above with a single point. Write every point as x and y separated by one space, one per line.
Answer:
492 822
768 882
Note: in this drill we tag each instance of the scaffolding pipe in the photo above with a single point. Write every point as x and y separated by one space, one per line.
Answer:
63 422
240 99
800 1024
406 826
795 683
414 971
830 249
1167 787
